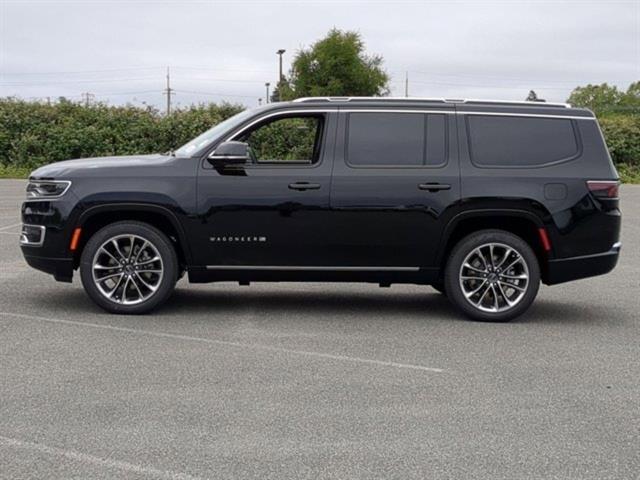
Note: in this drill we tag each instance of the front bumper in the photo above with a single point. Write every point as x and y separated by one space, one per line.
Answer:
46 230
573 268
60 268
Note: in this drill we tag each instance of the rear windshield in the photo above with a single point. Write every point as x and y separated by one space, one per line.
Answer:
510 141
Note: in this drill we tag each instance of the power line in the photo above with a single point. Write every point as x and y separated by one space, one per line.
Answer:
470 85
506 77
78 72
124 69
73 82
216 94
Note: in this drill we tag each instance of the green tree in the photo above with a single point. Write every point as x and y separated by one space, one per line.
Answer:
630 100
336 65
599 98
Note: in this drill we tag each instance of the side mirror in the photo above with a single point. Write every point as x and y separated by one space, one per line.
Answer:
229 153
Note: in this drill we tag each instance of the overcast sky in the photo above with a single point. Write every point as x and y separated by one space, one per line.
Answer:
119 50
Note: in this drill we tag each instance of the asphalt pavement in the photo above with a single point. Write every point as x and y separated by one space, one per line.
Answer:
317 381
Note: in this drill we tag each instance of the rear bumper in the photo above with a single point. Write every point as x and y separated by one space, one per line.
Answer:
60 268
574 268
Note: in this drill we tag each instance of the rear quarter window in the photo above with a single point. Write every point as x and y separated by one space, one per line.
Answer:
511 141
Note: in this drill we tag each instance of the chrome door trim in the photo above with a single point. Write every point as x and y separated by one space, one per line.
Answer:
313 268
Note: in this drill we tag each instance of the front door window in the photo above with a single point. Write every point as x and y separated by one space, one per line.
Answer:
288 140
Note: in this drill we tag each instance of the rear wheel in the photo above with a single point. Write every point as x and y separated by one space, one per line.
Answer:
129 267
492 275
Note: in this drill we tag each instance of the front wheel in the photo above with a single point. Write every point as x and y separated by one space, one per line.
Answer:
492 275
129 267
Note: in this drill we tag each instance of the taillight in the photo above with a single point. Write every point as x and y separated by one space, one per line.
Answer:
604 188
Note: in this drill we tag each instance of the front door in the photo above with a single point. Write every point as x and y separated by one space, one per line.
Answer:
269 212
395 173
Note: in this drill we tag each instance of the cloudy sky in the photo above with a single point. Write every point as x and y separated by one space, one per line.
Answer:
118 50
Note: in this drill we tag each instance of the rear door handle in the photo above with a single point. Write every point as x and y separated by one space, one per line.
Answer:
304 186
434 187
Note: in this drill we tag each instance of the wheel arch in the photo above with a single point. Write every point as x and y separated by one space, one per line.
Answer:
96 217
520 222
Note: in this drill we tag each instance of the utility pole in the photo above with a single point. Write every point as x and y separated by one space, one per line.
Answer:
87 97
168 91
266 100
280 76
406 84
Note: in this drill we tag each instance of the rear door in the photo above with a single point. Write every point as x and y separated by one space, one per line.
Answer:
395 173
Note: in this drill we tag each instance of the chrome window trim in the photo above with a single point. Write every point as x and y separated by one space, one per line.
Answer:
534 115
285 113
450 112
27 243
418 111
51 197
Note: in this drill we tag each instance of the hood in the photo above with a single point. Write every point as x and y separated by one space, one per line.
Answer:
111 166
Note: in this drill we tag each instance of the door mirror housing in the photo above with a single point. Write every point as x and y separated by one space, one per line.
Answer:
230 153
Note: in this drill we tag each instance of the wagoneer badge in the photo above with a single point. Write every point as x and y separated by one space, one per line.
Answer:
244 239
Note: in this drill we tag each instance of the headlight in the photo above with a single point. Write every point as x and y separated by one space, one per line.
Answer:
47 188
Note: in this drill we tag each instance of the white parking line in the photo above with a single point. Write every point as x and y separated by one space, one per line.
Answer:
93 460
246 346
10 226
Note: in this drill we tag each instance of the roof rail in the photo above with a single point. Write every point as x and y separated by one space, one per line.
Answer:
355 99
515 102
426 99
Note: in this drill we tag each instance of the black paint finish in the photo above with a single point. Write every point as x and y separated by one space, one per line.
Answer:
335 221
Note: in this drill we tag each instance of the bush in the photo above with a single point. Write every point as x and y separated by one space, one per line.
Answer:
622 133
33 134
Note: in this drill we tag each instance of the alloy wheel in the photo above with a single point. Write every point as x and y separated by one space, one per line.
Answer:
494 277
127 269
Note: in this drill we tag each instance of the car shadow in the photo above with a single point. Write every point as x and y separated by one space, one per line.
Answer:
388 304
308 301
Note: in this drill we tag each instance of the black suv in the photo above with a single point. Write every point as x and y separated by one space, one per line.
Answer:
480 199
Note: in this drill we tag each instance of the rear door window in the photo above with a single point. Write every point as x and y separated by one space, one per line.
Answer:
396 139
511 141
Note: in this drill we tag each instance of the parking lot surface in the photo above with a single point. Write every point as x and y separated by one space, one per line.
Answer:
279 381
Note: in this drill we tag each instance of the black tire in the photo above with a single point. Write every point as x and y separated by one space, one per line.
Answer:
527 260
165 283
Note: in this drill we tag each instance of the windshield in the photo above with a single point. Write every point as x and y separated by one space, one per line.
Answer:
212 134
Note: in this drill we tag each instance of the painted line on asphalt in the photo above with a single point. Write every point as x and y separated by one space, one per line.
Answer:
10 226
246 346
93 460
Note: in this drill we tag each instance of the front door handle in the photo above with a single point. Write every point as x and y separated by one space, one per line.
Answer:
434 187
300 186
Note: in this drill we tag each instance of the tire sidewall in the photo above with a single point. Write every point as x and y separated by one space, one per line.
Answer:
464 247
162 244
